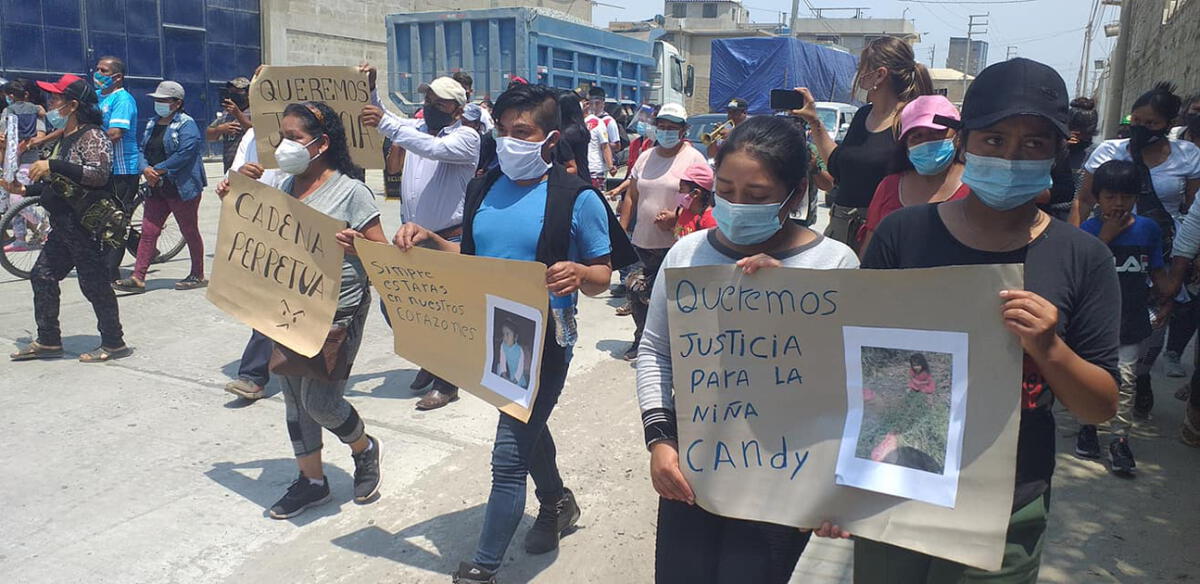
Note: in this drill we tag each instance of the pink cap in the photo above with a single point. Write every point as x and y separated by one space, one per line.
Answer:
922 111
700 174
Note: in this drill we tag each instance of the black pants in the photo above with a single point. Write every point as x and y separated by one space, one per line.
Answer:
69 247
256 359
694 546
652 260
125 188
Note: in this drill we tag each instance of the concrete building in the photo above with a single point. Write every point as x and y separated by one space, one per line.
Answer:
348 32
957 58
853 33
1161 42
951 83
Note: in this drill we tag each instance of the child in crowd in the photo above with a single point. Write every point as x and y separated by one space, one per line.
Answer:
695 201
1136 244
919 378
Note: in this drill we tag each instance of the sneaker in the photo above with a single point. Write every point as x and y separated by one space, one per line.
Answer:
1087 444
1173 367
300 496
245 389
468 573
1120 456
1143 398
366 472
552 521
191 283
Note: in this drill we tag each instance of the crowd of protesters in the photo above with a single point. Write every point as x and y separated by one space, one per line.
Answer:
1108 232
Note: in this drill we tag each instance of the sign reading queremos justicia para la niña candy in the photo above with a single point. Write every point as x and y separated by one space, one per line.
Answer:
860 397
277 265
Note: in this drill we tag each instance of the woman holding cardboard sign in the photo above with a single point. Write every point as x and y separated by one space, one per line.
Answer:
1014 126
760 171
313 152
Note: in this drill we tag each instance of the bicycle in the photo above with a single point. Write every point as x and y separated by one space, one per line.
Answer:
18 259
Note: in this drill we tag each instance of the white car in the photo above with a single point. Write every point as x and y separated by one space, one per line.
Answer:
836 118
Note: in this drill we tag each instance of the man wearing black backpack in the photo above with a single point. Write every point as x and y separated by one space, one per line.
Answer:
530 209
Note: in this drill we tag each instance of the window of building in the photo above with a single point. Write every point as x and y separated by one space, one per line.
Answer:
679 10
831 39
710 11
1171 8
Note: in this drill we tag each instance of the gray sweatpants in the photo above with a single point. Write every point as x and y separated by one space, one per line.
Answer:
313 404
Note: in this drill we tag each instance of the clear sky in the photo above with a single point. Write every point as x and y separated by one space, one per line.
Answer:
1050 31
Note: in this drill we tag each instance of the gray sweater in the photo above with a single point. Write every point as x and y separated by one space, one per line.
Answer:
654 378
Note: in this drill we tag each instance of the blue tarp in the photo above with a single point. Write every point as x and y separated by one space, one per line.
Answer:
750 68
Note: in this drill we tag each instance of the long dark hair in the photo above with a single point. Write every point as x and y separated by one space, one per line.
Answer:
574 141
919 360
1083 117
326 122
776 142
1162 100
88 114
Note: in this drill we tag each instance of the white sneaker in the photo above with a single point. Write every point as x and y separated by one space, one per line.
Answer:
1173 367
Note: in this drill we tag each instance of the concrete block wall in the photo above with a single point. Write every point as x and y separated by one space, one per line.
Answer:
1161 51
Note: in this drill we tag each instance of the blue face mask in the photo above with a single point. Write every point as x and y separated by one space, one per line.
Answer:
747 224
8 100
56 119
1004 184
930 158
669 140
102 81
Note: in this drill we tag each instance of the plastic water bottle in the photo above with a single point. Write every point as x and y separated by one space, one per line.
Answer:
563 309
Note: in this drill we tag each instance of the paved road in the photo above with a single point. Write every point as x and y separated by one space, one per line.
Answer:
143 470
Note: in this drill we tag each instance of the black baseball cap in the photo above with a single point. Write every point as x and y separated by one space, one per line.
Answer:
737 103
1014 88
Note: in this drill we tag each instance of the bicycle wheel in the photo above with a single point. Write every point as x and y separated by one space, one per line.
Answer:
170 239
26 225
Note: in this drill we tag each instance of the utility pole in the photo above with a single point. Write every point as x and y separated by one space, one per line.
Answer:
1116 69
971 24
1081 81
932 55
1012 52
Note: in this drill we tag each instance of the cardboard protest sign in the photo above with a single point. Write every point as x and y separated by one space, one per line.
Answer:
344 89
476 322
886 401
277 266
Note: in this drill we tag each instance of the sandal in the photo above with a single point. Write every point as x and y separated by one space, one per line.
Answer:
102 354
36 350
129 285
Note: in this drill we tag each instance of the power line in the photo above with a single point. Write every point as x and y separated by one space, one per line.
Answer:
984 2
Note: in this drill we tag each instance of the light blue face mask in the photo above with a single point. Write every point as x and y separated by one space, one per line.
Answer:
930 158
8 100
1004 184
748 224
56 119
669 140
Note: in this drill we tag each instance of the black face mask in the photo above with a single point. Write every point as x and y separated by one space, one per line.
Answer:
1141 136
1192 121
436 120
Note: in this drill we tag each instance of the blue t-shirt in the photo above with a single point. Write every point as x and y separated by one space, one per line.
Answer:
120 111
1137 251
509 223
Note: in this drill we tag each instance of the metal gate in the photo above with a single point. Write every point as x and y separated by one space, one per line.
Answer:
199 43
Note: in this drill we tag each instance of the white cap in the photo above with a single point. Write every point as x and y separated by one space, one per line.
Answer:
445 88
672 112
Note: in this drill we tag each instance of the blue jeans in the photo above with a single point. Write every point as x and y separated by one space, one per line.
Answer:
523 449
256 358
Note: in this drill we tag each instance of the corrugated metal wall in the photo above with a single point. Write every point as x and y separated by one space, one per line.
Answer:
199 43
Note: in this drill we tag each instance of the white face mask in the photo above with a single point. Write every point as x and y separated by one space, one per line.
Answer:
293 157
522 159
